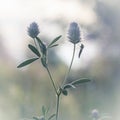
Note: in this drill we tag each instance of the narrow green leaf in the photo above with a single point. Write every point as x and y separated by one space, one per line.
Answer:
81 49
34 50
64 92
43 61
80 81
27 62
43 110
55 40
39 118
53 46
73 86
42 46
68 86
38 39
35 118
53 115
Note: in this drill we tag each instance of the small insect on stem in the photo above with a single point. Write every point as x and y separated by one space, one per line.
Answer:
81 49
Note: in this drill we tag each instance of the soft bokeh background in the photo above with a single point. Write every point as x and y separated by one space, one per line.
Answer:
24 91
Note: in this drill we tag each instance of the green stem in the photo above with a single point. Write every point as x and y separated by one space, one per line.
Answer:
35 43
53 83
57 109
57 93
70 65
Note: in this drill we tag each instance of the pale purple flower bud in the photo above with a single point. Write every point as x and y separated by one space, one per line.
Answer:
33 30
95 114
42 118
74 33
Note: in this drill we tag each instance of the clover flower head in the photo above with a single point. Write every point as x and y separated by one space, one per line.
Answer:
42 118
74 33
95 113
33 30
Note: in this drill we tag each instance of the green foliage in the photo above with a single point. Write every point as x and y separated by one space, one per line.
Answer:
64 91
43 110
54 41
27 62
81 49
45 116
80 81
34 50
43 61
36 118
69 86
76 82
52 116
53 45
42 46
41 51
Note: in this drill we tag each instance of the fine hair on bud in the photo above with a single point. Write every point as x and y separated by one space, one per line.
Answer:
74 34
33 30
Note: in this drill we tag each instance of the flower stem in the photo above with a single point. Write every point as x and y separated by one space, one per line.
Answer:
53 83
58 93
35 43
57 109
70 65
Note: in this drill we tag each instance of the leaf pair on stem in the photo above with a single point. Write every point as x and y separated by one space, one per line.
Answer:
42 54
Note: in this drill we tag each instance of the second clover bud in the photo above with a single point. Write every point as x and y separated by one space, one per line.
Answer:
74 33
33 30
95 114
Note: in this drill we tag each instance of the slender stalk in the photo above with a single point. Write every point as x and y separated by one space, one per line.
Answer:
58 93
35 43
53 83
66 76
57 109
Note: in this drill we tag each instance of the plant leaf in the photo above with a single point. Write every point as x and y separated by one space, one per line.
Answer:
34 50
53 46
64 92
42 46
68 86
43 110
35 118
81 49
43 61
80 81
27 62
53 115
55 40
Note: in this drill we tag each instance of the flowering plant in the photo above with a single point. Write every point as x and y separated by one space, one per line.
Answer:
41 51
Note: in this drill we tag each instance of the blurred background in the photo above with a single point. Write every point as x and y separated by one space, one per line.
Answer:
24 91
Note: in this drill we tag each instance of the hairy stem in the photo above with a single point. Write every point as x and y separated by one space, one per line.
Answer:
53 83
70 65
57 93
35 43
57 109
